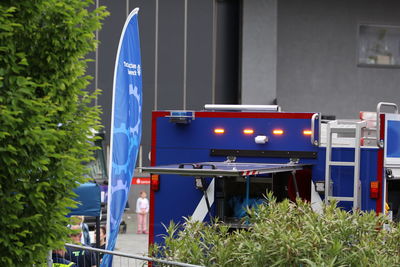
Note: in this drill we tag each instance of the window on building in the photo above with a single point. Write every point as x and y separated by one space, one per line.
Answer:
378 46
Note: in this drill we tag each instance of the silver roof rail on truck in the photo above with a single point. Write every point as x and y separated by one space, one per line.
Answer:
263 108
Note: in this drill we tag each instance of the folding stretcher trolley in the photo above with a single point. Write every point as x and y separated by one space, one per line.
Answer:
215 162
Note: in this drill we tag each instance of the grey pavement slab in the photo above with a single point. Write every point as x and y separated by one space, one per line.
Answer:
131 242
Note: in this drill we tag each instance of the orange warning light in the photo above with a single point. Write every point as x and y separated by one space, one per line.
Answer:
219 130
248 131
374 189
307 132
277 132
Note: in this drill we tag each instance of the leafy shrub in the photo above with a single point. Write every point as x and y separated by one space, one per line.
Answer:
46 119
287 234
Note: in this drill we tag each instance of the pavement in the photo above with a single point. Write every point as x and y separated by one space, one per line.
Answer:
131 242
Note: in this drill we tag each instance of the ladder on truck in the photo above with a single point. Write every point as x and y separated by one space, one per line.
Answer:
346 129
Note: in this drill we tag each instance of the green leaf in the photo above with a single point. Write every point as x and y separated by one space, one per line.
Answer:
23 62
42 83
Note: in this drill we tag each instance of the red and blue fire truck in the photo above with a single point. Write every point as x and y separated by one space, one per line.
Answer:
214 162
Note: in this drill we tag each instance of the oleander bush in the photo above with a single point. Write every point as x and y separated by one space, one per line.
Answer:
287 234
46 118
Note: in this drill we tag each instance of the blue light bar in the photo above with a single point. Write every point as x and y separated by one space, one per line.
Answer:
181 116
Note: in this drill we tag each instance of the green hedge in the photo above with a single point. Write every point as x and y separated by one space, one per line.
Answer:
46 117
287 234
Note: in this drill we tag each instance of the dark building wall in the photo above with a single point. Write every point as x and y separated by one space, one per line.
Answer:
259 47
317 57
170 54
316 62
199 54
165 89
227 51
147 43
109 38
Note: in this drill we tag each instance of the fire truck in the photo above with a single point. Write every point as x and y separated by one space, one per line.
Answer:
214 162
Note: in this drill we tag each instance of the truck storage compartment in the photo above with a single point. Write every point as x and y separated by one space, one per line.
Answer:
231 201
239 185
231 192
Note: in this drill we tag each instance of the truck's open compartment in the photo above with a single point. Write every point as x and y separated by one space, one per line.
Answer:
242 185
230 197
393 192
230 193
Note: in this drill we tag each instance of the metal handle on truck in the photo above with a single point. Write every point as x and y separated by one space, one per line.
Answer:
314 117
197 166
182 165
378 116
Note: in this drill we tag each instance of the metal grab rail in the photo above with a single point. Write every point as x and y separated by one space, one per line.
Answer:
314 117
265 108
378 124
130 256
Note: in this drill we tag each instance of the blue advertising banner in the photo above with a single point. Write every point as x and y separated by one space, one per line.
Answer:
126 126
